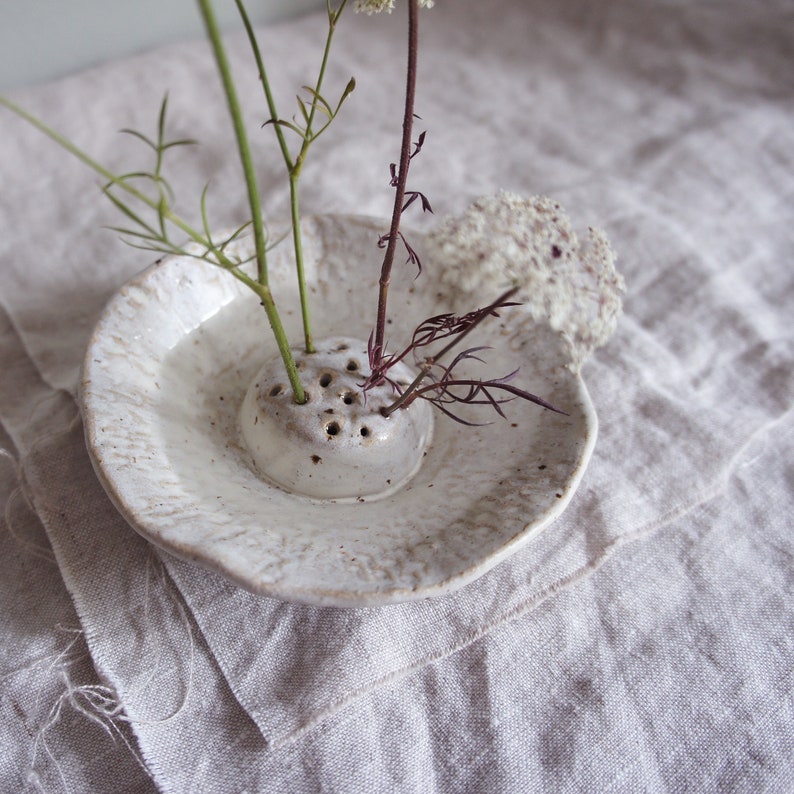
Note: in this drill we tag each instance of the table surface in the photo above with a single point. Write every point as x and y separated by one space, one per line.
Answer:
645 640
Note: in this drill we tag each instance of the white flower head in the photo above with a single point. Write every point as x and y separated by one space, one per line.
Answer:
376 6
506 240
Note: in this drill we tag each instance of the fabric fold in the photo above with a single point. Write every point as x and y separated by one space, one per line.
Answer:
681 149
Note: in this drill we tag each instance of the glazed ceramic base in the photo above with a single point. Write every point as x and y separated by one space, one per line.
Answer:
169 366
337 445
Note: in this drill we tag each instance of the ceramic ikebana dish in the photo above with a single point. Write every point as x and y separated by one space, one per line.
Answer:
170 451
318 463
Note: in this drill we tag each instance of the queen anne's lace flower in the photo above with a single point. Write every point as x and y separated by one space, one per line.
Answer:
506 240
376 6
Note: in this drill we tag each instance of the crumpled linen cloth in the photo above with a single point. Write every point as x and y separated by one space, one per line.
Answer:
641 642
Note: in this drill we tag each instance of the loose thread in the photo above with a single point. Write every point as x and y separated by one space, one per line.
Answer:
95 702
156 569
19 492
44 504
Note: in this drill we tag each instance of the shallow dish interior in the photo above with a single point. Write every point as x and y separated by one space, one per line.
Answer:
166 372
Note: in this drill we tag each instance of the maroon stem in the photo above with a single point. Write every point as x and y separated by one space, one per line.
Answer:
402 179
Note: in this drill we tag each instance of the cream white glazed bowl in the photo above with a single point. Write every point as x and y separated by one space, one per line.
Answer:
166 372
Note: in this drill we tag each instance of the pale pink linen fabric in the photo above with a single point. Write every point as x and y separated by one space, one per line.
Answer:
643 642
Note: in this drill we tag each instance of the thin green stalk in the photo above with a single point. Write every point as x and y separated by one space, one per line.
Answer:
269 305
262 290
294 178
333 18
271 103
297 244
162 244
159 241
294 167
112 178
246 161
244 150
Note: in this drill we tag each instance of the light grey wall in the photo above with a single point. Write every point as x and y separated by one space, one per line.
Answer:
43 39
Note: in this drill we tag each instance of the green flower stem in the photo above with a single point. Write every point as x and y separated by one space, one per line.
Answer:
244 150
294 177
157 205
271 104
333 18
112 178
294 167
297 243
294 173
264 293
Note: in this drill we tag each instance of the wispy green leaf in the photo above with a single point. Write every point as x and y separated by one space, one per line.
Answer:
349 89
161 120
132 233
126 210
203 205
303 109
148 141
181 142
290 126
319 101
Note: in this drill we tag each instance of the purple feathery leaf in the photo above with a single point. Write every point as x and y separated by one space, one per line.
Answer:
459 419
413 195
479 393
468 354
506 378
373 352
418 145
442 387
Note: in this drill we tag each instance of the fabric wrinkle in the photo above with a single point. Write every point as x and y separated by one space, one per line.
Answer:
642 641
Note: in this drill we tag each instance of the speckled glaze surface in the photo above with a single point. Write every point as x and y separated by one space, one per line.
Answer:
337 445
168 368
